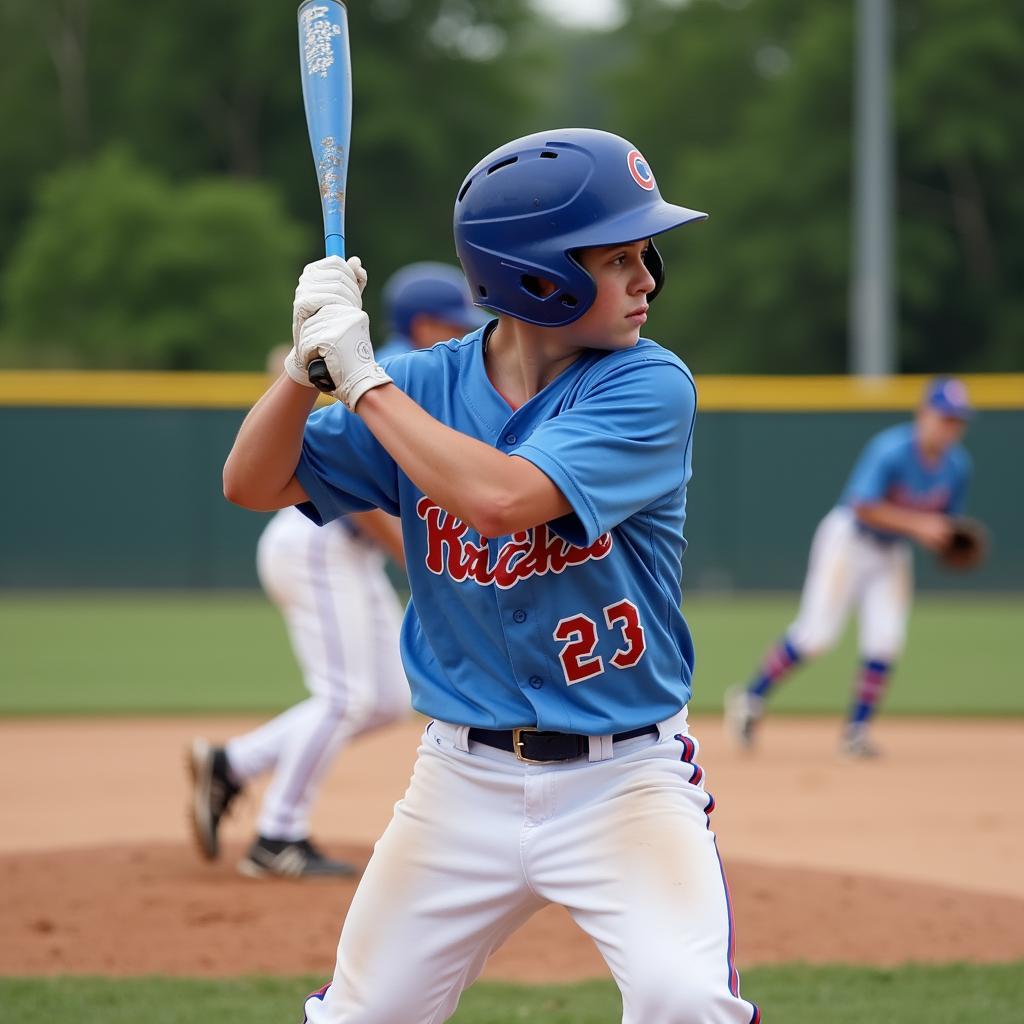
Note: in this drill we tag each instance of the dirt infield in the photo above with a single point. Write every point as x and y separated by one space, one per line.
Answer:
913 857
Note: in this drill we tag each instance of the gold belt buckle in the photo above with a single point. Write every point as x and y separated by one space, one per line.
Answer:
517 745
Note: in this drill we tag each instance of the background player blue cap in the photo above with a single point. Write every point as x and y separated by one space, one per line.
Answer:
432 288
948 396
525 209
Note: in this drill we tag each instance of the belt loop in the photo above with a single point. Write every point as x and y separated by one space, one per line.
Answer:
676 724
456 735
460 737
600 747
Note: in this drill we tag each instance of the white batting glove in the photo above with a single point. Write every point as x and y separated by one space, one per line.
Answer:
340 335
326 282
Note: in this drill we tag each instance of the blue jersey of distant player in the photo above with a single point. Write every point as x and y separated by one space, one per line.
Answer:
575 625
891 468
396 345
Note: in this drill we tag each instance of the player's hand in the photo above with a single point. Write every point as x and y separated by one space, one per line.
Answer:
330 281
933 531
326 282
340 335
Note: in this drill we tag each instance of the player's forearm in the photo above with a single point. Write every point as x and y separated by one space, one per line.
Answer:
884 515
259 473
384 530
493 492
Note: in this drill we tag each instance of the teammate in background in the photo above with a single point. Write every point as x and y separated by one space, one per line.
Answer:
539 467
424 303
907 484
343 618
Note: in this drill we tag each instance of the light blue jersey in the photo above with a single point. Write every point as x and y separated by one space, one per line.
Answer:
573 626
396 345
891 468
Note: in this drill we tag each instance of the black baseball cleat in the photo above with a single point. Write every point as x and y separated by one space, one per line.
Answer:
281 858
213 789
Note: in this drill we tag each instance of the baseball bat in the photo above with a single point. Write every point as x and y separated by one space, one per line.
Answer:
326 70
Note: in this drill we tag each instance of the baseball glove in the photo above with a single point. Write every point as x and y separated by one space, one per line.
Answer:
968 545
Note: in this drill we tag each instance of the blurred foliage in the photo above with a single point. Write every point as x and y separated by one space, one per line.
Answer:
748 113
744 108
112 251
958 108
196 89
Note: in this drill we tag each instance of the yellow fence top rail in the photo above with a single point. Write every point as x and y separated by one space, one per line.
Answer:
119 389
841 394
124 389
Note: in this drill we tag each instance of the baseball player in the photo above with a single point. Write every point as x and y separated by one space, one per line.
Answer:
908 483
343 619
424 303
539 467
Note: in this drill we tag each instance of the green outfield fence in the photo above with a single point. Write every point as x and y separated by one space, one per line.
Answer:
113 479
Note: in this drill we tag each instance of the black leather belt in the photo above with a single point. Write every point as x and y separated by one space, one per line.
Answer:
535 747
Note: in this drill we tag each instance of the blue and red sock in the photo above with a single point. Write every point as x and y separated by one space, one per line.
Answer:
871 683
777 663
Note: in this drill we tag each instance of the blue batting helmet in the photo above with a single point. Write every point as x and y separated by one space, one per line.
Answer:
524 209
432 288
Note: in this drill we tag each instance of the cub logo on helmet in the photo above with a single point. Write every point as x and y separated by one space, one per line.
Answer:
640 169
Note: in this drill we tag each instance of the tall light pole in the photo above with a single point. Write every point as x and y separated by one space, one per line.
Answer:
872 291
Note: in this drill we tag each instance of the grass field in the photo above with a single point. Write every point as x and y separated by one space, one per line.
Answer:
787 995
103 653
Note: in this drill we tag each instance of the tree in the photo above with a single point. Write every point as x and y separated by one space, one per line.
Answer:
119 268
749 116
959 81
198 89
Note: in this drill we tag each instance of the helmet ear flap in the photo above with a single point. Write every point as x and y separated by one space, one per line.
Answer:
655 267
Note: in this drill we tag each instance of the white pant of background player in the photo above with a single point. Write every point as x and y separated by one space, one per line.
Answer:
848 568
343 618
481 841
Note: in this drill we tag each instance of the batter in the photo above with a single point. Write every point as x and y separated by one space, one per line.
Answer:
908 483
539 467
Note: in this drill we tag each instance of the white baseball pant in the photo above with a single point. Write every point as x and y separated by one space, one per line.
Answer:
343 618
482 841
848 568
